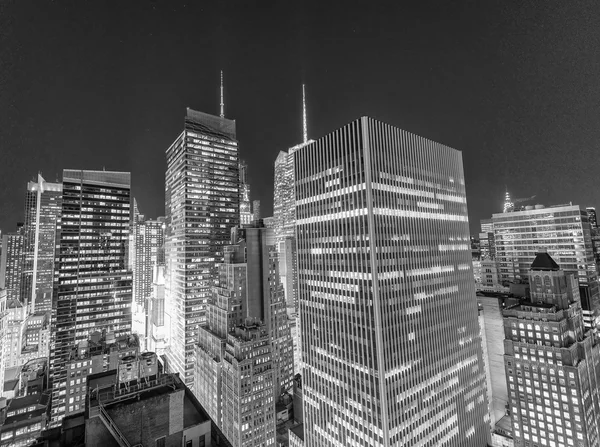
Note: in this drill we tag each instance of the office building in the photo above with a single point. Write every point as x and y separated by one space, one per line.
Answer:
35 337
390 337
14 331
244 354
149 252
11 265
138 405
202 205
245 204
92 285
256 210
3 326
42 209
156 339
591 211
565 232
26 415
552 364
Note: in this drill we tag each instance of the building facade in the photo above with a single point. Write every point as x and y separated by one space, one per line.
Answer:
92 285
11 265
565 232
42 210
245 203
390 338
244 355
552 363
202 205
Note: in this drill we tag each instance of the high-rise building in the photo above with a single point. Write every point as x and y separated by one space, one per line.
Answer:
148 252
11 265
390 337
93 356
552 364
14 331
284 224
256 210
42 209
92 285
202 205
591 211
3 325
245 204
156 339
244 355
565 232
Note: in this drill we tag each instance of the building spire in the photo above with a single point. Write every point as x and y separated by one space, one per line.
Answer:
222 103
508 204
304 126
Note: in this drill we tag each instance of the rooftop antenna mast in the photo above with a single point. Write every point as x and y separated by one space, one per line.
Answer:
222 103
304 126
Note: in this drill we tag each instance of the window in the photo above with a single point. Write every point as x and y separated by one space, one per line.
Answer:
202 442
188 444
161 442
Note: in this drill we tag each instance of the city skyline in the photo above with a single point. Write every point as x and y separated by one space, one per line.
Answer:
490 81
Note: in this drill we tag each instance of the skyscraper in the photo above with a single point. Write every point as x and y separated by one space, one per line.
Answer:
565 232
256 210
42 209
149 252
591 211
92 286
245 204
552 364
202 205
244 355
390 338
11 265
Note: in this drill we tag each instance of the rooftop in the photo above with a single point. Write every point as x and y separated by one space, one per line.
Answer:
298 430
543 261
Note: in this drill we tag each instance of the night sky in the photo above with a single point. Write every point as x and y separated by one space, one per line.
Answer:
514 85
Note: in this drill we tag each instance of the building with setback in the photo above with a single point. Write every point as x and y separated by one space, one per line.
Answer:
552 364
202 205
565 232
245 205
92 285
390 340
244 356
42 210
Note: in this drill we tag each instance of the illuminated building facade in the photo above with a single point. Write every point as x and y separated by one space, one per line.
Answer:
565 232
42 210
591 211
244 355
245 204
552 364
149 252
202 205
390 338
92 285
3 325
256 210
11 265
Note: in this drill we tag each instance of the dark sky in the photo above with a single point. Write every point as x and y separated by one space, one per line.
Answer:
514 85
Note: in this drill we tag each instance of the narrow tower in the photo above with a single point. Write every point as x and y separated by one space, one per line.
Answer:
222 102
304 125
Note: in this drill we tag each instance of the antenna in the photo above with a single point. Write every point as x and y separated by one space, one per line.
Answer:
222 103
304 127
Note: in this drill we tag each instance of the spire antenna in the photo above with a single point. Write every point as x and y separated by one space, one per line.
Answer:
304 126
222 103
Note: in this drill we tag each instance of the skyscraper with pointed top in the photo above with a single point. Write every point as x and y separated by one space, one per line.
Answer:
202 201
284 216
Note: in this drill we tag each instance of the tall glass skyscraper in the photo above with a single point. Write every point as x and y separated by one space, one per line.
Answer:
92 285
202 205
565 232
42 209
390 339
